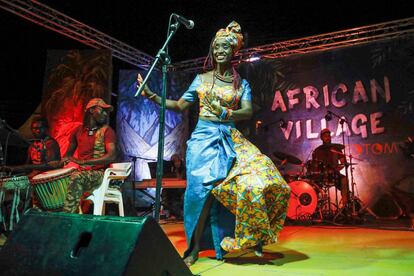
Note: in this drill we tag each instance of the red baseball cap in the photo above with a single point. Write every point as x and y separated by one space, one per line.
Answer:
325 130
99 102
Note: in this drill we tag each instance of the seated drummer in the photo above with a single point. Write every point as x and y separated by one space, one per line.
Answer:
43 153
329 154
95 143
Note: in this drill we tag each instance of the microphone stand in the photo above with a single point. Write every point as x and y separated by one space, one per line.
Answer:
165 60
134 159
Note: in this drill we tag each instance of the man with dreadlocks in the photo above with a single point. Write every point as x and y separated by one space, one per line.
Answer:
95 143
222 166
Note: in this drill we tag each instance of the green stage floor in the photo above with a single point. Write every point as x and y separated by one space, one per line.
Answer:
314 250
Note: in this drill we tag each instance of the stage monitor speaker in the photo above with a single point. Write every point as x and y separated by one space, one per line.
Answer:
66 244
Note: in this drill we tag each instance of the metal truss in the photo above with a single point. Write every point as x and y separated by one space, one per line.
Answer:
65 25
323 42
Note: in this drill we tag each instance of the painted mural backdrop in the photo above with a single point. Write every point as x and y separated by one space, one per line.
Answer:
138 121
371 86
72 78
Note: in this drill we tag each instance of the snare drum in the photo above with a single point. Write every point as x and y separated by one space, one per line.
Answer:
51 187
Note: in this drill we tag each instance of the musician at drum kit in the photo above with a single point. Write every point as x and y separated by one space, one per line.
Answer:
95 142
330 160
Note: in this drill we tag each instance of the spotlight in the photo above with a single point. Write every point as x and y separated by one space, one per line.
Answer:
328 116
253 58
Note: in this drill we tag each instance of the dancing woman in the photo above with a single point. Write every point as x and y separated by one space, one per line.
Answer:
224 168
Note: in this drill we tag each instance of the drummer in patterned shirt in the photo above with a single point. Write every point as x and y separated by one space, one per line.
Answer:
95 143
43 153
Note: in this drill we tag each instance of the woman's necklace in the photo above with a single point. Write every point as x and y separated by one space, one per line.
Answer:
223 78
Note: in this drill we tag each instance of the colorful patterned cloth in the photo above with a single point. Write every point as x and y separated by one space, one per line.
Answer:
233 34
255 192
41 151
210 155
202 85
81 182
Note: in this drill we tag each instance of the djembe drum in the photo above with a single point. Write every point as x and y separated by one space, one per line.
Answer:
51 187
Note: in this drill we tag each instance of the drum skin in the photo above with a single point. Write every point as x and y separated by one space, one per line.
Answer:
303 199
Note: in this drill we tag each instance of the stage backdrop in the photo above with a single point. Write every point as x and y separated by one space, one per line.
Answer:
72 78
370 85
138 121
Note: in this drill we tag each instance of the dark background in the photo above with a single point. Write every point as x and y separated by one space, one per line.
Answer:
143 25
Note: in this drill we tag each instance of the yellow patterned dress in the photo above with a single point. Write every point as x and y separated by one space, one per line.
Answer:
256 193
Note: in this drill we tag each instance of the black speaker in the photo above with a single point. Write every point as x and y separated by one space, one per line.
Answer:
67 244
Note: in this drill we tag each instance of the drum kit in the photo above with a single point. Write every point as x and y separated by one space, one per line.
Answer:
311 197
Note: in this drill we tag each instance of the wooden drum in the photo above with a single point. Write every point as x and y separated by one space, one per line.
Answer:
51 187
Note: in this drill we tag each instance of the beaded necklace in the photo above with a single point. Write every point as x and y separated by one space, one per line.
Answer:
228 79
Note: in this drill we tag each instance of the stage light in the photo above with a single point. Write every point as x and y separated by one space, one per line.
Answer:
253 58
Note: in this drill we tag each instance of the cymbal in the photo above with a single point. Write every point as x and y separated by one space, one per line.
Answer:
336 146
289 158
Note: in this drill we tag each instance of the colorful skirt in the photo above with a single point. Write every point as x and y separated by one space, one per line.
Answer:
256 193
221 161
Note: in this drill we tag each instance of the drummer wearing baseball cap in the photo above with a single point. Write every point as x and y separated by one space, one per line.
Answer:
95 142
99 102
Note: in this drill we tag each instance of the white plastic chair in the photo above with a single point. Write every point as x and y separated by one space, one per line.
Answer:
106 194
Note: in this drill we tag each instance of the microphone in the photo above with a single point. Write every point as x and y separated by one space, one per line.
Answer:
189 24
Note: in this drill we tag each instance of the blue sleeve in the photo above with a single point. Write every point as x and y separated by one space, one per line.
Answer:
247 92
191 94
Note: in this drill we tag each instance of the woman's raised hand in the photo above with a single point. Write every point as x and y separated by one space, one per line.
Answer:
146 92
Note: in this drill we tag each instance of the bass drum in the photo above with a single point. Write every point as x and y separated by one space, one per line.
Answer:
303 199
